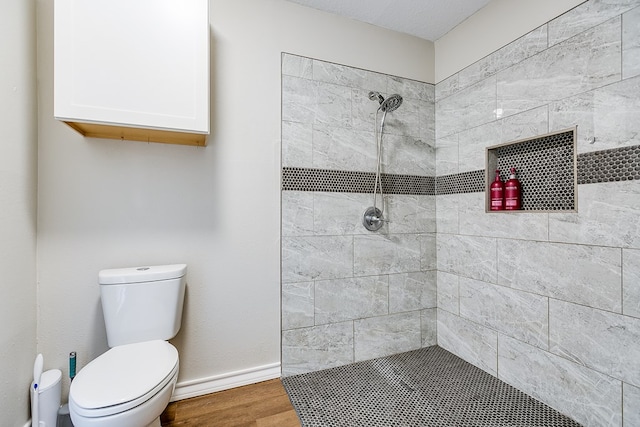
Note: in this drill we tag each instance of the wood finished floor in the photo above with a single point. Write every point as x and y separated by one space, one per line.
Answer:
265 404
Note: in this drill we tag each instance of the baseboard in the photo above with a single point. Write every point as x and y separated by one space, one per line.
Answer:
199 387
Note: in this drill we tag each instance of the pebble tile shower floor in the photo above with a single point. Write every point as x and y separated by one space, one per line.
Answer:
430 387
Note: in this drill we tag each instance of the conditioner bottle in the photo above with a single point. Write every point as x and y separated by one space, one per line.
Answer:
512 192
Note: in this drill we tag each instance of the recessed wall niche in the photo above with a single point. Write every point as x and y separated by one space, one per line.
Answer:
545 166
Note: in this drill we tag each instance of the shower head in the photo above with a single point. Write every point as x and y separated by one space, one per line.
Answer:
391 103
386 105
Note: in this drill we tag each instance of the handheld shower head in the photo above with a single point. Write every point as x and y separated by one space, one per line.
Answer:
391 103
386 105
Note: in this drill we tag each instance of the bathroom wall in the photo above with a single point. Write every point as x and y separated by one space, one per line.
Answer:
549 302
349 294
105 203
491 28
18 162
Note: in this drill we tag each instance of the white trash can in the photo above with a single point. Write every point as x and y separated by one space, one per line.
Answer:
49 393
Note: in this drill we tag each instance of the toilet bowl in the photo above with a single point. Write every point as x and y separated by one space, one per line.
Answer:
131 384
128 386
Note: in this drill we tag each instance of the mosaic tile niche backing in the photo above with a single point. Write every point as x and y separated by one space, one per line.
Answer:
545 167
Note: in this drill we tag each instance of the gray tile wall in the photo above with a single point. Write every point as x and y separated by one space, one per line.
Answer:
349 294
548 302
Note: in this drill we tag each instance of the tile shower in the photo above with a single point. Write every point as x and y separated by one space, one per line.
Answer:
349 294
547 301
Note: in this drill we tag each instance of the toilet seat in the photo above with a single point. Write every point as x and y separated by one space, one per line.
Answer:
123 378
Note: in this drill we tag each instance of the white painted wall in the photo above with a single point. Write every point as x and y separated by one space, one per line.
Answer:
18 162
497 24
105 203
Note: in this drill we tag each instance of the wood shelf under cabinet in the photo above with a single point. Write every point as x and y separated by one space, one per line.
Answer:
95 130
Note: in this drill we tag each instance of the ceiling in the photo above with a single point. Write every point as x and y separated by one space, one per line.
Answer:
427 19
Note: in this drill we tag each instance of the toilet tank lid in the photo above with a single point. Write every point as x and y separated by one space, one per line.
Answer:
119 276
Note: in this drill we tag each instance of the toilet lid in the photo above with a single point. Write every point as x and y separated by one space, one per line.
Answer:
124 377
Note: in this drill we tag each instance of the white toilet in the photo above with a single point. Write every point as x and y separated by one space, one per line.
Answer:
131 384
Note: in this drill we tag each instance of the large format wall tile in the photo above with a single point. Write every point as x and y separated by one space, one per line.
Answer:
589 397
343 148
428 250
606 342
475 221
515 313
412 291
448 295
588 275
631 43
333 105
406 119
408 155
411 214
473 143
343 75
297 213
527 124
447 213
297 144
447 155
631 400
631 282
446 88
384 254
586 16
411 89
607 215
339 213
468 256
315 348
474 343
522 48
297 305
429 326
558 72
608 114
316 257
353 298
387 335
297 66
463 110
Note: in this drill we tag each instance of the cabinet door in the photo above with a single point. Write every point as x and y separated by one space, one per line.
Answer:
137 63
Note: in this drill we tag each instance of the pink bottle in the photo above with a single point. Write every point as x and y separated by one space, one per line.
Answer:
512 192
497 193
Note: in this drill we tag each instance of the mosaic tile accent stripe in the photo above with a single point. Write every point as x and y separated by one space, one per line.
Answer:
618 164
465 182
307 179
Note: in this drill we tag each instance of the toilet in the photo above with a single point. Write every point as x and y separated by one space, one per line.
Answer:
131 384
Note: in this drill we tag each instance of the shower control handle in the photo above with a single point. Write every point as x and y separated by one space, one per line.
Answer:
373 219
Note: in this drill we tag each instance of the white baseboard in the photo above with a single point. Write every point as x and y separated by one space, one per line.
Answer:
199 387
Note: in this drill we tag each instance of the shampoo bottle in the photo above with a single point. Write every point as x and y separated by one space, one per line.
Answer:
512 192
497 193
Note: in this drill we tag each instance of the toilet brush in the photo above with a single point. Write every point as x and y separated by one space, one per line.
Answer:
37 374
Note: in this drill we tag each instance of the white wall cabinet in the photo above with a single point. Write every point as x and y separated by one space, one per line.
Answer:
133 69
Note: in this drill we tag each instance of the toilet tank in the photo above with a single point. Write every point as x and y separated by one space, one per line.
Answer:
142 303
